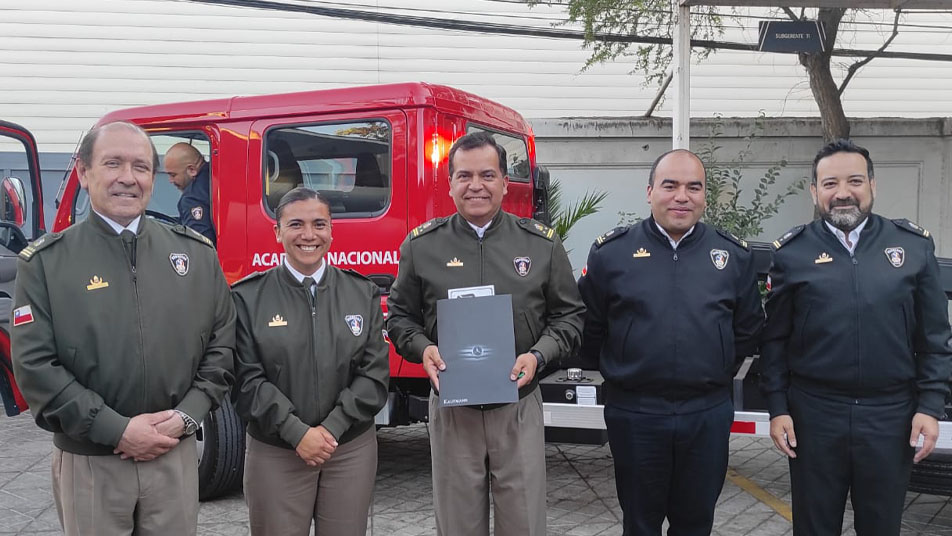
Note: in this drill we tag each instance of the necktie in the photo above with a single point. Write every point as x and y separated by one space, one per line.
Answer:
129 244
308 283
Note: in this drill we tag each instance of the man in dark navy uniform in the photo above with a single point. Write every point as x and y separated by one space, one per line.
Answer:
673 307
189 172
856 355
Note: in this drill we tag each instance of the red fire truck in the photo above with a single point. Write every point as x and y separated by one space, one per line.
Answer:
379 154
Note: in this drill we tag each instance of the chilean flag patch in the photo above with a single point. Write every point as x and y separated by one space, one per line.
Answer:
22 315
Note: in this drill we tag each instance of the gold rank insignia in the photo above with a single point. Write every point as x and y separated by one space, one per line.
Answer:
277 322
823 258
421 228
642 252
601 239
454 263
546 231
911 224
96 283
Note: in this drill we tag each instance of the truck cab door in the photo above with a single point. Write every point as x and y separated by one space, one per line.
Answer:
21 220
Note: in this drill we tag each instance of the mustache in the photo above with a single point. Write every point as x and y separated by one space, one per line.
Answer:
844 203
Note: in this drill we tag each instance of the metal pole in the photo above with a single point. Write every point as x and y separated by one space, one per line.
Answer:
681 67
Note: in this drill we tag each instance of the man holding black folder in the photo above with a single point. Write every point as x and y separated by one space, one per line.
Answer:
481 244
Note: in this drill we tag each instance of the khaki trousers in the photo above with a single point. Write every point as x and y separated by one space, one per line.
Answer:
284 494
476 452
108 496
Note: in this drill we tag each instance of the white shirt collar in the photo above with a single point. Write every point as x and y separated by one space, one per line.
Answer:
674 244
317 275
479 230
133 225
853 236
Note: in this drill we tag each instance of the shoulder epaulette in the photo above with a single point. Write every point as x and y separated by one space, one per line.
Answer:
788 236
733 238
535 227
427 227
38 244
610 235
355 273
249 277
913 228
193 234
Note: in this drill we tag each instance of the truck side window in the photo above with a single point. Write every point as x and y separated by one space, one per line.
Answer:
517 153
349 163
164 202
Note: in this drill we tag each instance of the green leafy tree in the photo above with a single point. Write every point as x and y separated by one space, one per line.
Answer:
654 18
724 187
563 218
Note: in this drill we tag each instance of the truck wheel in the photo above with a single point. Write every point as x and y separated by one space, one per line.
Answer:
933 475
221 452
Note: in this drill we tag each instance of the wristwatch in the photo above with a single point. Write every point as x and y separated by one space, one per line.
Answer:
190 425
540 360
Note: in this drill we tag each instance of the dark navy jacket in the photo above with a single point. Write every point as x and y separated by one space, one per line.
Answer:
871 327
194 206
669 328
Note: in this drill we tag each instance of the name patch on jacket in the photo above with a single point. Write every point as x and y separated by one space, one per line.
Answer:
355 323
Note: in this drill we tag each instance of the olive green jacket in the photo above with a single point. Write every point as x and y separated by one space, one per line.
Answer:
300 365
519 256
105 341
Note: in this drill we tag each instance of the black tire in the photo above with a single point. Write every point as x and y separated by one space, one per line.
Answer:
221 452
933 475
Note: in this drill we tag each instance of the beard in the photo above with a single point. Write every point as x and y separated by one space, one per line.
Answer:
846 220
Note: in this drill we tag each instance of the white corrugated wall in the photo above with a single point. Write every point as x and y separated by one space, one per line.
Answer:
64 63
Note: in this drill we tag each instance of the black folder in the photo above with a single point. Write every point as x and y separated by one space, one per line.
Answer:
478 344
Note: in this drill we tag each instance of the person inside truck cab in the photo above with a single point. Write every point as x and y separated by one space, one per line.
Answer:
189 172
672 309
313 371
481 244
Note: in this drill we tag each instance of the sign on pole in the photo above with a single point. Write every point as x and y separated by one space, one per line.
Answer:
791 36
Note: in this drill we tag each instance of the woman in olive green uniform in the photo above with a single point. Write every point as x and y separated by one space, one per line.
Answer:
312 370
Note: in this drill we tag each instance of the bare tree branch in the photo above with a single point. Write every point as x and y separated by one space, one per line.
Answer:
660 94
856 66
790 13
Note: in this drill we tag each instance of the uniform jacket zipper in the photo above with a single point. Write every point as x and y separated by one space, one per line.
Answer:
142 359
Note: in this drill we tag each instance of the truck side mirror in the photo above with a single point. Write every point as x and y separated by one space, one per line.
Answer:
540 195
12 201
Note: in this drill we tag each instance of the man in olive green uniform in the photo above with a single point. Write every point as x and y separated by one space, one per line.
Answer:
123 340
313 370
483 245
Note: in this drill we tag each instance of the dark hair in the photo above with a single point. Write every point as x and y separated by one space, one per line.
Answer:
843 145
86 146
301 193
475 140
657 161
